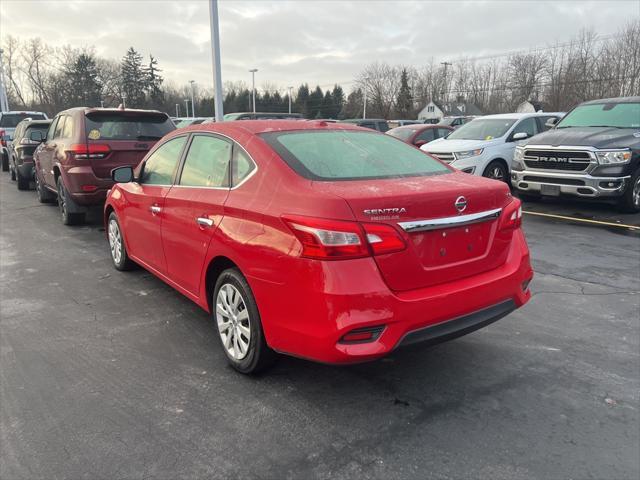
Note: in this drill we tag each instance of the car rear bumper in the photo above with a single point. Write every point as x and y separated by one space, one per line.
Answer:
84 187
310 323
580 185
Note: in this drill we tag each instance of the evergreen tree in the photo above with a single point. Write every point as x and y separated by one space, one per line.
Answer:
314 109
154 83
338 101
404 100
82 82
302 100
134 79
353 107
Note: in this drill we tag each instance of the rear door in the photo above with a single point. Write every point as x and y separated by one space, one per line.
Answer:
194 208
145 203
126 136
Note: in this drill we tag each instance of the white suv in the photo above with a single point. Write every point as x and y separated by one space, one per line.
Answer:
485 145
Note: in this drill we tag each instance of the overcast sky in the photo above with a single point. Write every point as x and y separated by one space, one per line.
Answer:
320 42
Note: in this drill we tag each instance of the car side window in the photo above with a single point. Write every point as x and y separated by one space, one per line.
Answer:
528 126
242 166
59 127
443 132
67 131
426 135
161 164
207 162
52 128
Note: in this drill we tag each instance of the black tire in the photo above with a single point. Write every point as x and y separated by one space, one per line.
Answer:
630 200
23 182
44 195
65 204
117 247
497 170
12 172
5 162
258 356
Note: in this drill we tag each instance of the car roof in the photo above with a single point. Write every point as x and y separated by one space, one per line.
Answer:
255 127
111 110
613 100
22 112
424 126
358 120
518 116
36 122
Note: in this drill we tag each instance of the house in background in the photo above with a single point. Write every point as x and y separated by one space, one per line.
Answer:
531 106
435 112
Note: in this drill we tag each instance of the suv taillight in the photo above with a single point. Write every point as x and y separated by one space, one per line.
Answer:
2 139
83 151
338 240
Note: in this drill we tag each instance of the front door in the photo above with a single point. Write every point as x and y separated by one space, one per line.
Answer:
144 211
47 151
194 208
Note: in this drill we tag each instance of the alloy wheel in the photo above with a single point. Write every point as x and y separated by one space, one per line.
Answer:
115 241
233 321
62 203
496 173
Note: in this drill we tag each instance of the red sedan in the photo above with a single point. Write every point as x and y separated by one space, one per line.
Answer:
418 134
321 240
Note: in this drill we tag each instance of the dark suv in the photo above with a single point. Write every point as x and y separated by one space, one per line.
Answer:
8 123
83 145
379 124
21 151
592 153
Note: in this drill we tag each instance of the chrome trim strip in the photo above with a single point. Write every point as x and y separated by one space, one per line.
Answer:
448 222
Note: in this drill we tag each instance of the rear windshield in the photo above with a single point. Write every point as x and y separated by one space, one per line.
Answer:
619 115
113 126
37 126
350 155
11 120
402 133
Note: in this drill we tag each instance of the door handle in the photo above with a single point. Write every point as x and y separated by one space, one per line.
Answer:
204 222
155 210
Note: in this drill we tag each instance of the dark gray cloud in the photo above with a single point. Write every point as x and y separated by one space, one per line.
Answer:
306 40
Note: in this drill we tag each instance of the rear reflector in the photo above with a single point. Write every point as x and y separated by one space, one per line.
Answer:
362 335
89 188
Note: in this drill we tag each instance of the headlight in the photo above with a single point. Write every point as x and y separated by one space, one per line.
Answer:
607 158
518 159
468 153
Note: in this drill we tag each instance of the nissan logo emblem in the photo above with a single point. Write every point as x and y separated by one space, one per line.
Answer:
461 203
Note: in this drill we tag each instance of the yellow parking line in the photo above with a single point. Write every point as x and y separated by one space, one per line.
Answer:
584 220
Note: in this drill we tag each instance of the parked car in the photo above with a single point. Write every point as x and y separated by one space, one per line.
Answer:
320 240
21 151
193 121
592 153
378 124
420 134
401 123
485 145
8 123
261 116
83 145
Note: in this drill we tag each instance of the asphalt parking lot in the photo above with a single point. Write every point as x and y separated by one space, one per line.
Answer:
108 375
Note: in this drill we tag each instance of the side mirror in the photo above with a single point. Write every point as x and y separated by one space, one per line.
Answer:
37 136
551 122
419 143
122 174
520 136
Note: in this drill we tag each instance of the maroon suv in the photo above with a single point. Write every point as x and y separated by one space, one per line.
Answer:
82 146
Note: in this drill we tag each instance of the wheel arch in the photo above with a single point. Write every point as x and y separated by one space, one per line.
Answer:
216 266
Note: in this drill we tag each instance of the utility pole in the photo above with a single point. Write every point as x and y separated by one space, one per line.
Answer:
445 94
364 111
4 102
218 106
193 105
253 87
290 90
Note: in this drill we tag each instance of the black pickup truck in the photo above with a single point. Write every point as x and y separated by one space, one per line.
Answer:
593 152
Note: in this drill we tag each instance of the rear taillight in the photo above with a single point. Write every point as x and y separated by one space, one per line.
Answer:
337 239
512 215
2 139
83 151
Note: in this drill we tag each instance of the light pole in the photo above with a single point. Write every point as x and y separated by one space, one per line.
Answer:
215 53
177 110
124 100
193 105
253 87
364 110
290 90
186 105
4 103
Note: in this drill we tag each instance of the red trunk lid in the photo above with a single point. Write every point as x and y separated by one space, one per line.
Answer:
442 254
